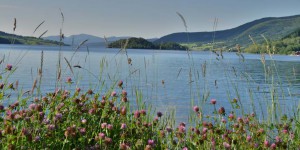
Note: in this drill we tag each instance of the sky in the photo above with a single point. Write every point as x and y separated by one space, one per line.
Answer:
138 18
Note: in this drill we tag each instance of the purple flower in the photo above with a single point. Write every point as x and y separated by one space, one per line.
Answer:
143 112
101 135
266 143
151 142
107 140
83 121
8 67
169 129
159 114
226 145
82 131
123 126
136 114
204 130
222 111
58 116
113 94
248 138
185 148
124 93
37 139
1 107
120 83
69 80
32 106
231 116
223 120
78 90
273 146
51 127
103 125
213 101
196 108
109 127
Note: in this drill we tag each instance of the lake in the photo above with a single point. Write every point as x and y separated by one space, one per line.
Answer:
167 79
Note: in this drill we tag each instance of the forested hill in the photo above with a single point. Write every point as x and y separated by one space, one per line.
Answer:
6 38
140 43
273 28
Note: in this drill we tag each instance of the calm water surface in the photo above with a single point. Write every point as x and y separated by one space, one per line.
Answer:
167 79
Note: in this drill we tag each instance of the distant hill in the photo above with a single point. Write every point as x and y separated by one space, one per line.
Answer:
6 38
272 28
93 40
140 43
290 44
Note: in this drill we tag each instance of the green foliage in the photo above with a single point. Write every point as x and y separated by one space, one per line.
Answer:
287 45
6 38
140 43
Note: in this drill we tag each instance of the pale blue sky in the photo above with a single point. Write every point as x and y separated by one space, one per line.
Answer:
140 18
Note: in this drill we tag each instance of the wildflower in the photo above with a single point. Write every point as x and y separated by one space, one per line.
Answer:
82 131
143 112
226 145
51 127
58 116
136 114
1 107
169 129
204 130
101 135
123 126
113 94
123 111
231 116
266 143
151 142
124 99
78 90
83 121
213 101
240 120
223 120
107 140
222 111
124 93
248 138
285 131
69 80
159 114
120 84
8 67
92 111
37 139
123 146
185 148
103 125
196 108
278 139
32 106
273 146
181 129
109 127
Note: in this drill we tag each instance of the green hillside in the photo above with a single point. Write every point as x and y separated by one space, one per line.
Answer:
6 38
140 43
273 28
287 45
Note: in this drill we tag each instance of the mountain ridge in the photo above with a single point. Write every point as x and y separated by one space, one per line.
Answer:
272 27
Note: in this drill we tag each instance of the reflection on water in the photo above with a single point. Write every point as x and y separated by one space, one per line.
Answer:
187 78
